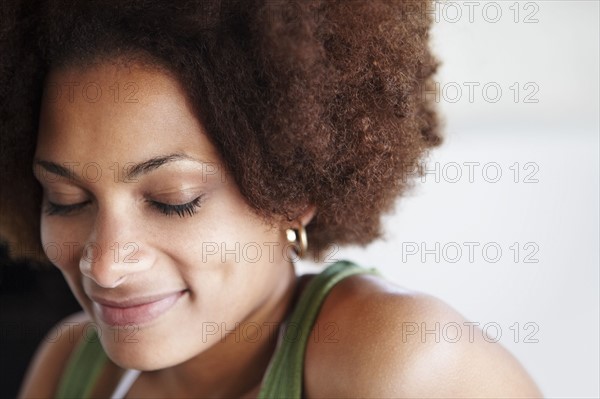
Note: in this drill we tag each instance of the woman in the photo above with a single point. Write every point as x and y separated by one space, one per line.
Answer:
184 155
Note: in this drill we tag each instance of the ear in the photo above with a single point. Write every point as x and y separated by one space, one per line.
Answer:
306 216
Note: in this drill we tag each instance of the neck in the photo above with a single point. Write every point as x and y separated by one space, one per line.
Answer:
237 363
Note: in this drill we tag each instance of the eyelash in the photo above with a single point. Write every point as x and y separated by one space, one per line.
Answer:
181 210
62 210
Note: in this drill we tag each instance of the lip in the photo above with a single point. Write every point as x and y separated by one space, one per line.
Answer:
135 311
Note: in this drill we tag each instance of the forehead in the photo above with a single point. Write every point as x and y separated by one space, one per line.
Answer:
112 86
112 109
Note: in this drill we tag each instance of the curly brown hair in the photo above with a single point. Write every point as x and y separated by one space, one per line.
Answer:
308 102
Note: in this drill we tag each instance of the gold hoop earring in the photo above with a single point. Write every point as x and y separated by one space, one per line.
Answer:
297 237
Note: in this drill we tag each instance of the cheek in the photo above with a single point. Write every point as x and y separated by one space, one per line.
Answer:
227 243
61 243
225 248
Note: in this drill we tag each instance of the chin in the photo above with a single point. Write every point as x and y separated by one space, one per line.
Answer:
139 356
142 351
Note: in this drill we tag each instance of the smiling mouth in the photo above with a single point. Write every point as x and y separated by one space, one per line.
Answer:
137 311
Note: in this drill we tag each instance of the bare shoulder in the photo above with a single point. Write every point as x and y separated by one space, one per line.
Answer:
51 357
373 339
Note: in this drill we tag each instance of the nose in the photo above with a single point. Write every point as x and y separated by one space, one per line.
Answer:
114 252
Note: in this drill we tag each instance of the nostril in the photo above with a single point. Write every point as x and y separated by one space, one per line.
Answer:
115 284
105 282
104 275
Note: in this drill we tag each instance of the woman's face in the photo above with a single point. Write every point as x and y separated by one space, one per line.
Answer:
151 233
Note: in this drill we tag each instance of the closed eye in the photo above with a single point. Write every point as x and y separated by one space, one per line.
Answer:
182 210
64 210
188 209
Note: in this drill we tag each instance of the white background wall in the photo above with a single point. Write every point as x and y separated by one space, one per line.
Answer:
550 208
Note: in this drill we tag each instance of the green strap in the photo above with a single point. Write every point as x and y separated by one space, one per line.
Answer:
83 369
284 376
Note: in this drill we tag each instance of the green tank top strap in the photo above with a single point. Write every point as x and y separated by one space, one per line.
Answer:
284 375
83 368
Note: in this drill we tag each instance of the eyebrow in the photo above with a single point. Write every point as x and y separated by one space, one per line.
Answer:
133 171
